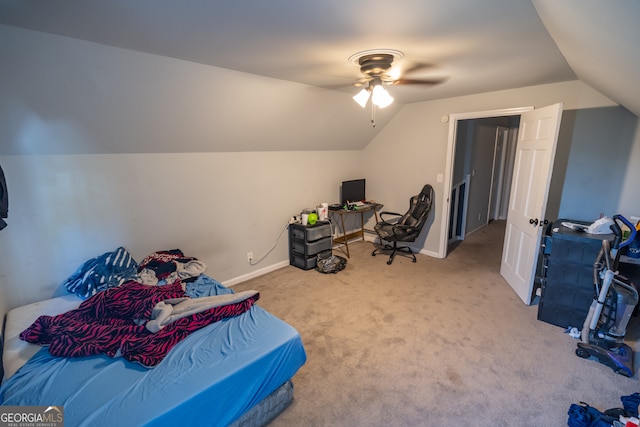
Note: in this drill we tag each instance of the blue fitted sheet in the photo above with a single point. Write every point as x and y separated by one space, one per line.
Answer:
211 378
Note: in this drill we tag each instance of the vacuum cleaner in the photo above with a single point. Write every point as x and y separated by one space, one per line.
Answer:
606 322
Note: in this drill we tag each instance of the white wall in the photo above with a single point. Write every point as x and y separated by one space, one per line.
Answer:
215 206
66 96
76 119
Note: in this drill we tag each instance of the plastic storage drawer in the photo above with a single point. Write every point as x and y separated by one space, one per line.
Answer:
311 233
305 263
306 242
312 248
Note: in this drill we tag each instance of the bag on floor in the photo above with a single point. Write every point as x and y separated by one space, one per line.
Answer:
330 264
631 404
584 415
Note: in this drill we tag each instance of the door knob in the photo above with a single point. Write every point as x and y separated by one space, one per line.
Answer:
533 221
545 222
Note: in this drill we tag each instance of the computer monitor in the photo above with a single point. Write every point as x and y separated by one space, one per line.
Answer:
353 191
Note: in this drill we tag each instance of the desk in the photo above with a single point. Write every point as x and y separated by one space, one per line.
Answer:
345 212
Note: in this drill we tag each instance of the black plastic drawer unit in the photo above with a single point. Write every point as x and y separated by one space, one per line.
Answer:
306 242
567 288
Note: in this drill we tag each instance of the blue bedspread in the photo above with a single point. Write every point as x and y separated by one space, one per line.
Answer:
211 378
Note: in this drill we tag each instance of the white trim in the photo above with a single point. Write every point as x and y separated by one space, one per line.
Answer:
369 238
237 280
448 168
254 274
456 208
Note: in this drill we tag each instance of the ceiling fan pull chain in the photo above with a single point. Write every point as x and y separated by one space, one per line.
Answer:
373 114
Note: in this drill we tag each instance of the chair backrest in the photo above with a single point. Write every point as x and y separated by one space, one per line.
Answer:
419 209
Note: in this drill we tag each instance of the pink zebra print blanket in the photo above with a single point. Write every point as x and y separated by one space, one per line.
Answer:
112 322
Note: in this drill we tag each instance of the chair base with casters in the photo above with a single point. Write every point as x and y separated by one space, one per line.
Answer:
394 249
404 228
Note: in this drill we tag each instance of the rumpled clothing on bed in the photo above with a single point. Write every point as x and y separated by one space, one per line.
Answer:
113 322
168 311
169 266
106 271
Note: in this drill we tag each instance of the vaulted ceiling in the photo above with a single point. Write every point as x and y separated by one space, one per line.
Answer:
474 46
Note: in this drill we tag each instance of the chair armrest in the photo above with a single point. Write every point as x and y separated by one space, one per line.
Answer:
406 228
389 213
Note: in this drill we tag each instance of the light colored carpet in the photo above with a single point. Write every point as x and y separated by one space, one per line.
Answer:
435 343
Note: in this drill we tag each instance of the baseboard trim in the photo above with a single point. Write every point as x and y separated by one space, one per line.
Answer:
422 251
243 278
232 282
432 254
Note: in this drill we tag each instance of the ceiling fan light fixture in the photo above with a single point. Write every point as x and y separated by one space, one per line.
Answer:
376 68
380 97
362 97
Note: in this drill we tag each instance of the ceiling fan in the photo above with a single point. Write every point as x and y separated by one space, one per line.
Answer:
382 64
380 67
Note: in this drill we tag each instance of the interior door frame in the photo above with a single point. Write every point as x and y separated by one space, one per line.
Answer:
499 165
450 159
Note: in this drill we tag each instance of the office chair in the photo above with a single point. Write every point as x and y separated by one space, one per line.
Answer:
404 228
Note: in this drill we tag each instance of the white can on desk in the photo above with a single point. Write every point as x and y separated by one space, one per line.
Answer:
323 211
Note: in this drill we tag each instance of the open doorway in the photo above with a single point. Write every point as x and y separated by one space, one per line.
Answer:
482 171
473 171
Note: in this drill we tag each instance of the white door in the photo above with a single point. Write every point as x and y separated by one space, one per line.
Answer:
535 151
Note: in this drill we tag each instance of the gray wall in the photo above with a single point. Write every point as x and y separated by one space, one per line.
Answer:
592 157
600 141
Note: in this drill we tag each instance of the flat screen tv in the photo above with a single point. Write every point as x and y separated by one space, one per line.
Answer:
353 191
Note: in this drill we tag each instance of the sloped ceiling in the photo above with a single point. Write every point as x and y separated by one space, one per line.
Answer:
599 40
476 46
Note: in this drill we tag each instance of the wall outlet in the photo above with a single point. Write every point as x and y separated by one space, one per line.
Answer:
249 257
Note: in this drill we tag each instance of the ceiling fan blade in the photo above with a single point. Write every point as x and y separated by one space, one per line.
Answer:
433 81
404 69
415 67
362 82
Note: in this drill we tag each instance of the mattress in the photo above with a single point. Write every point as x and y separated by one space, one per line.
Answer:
211 378
17 352
268 408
